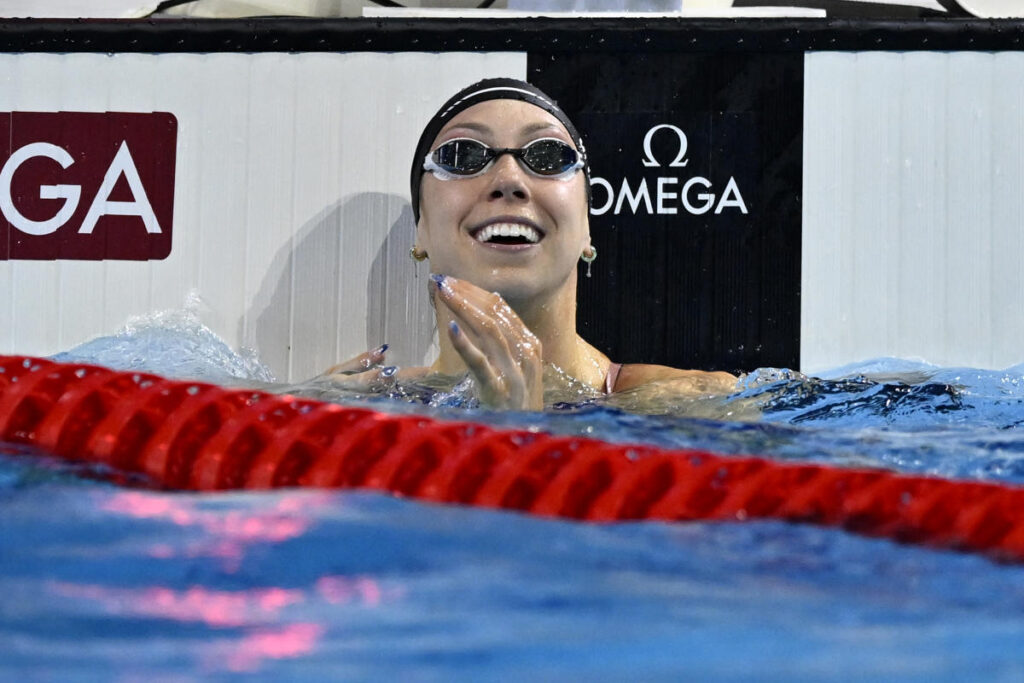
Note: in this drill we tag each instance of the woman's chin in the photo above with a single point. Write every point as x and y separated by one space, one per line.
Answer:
516 283
525 290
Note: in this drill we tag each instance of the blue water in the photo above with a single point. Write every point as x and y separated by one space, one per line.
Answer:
105 582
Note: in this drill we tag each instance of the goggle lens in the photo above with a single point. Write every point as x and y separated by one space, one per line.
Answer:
546 156
462 156
549 157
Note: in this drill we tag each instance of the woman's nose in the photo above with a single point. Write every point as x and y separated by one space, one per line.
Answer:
508 179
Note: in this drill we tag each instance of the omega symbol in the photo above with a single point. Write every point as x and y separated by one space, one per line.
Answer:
680 159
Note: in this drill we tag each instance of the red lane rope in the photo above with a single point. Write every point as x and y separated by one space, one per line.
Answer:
195 436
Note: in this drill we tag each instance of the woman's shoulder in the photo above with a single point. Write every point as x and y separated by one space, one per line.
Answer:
633 375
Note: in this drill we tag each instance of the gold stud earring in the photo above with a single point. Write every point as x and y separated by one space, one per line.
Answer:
416 254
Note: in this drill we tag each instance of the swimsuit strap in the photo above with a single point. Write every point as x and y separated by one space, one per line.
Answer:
612 377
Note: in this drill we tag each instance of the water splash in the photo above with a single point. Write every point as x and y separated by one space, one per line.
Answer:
899 414
175 344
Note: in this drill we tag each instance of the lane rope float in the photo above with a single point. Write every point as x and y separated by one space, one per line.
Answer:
201 437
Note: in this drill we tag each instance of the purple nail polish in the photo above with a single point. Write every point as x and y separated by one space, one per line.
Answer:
454 327
438 279
389 370
381 349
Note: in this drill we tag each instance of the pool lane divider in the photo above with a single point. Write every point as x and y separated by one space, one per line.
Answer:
201 437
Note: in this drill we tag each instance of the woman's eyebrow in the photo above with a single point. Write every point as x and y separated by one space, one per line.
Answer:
484 129
478 127
534 127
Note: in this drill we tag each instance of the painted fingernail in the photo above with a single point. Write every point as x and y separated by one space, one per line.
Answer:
454 327
381 349
389 370
443 283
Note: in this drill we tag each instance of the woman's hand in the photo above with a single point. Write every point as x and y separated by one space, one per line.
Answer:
362 372
503 356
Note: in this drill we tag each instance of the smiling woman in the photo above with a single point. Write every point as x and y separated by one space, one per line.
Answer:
501 195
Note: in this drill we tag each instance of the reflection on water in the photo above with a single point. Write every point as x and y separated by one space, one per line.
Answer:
230 536
113 565
376 588
106 582
196 603
226 534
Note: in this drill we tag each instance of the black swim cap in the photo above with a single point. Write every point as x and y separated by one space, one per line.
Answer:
481 91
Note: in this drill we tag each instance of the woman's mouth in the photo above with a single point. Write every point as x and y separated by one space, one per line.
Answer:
508 234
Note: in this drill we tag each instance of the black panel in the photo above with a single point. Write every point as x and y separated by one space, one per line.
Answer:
696 288
427 35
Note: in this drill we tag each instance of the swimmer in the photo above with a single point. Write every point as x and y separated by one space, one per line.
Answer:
501 196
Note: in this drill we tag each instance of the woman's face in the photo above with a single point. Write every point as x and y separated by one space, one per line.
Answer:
455 214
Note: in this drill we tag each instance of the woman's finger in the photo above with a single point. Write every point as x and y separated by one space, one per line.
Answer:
484 329
523 348
512 325
501 352
375 379
487 317
494 389
524 341
363 361
474 358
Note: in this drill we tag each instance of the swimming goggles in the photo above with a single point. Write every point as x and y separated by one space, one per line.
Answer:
468 158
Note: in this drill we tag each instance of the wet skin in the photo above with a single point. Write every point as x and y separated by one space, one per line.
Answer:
453 211
512 302
507 306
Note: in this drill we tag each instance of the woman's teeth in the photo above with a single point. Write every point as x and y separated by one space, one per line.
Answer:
512 230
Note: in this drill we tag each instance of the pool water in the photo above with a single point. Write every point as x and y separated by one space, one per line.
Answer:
108 582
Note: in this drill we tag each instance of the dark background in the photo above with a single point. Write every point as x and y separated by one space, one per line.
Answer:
693 291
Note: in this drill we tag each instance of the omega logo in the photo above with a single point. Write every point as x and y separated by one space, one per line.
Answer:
695 196
122 165
680 159
87 186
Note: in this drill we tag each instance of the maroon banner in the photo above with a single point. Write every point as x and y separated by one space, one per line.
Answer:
86 186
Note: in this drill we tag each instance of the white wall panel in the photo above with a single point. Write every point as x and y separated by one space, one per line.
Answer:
291 215
1007 275
912 208
35 290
